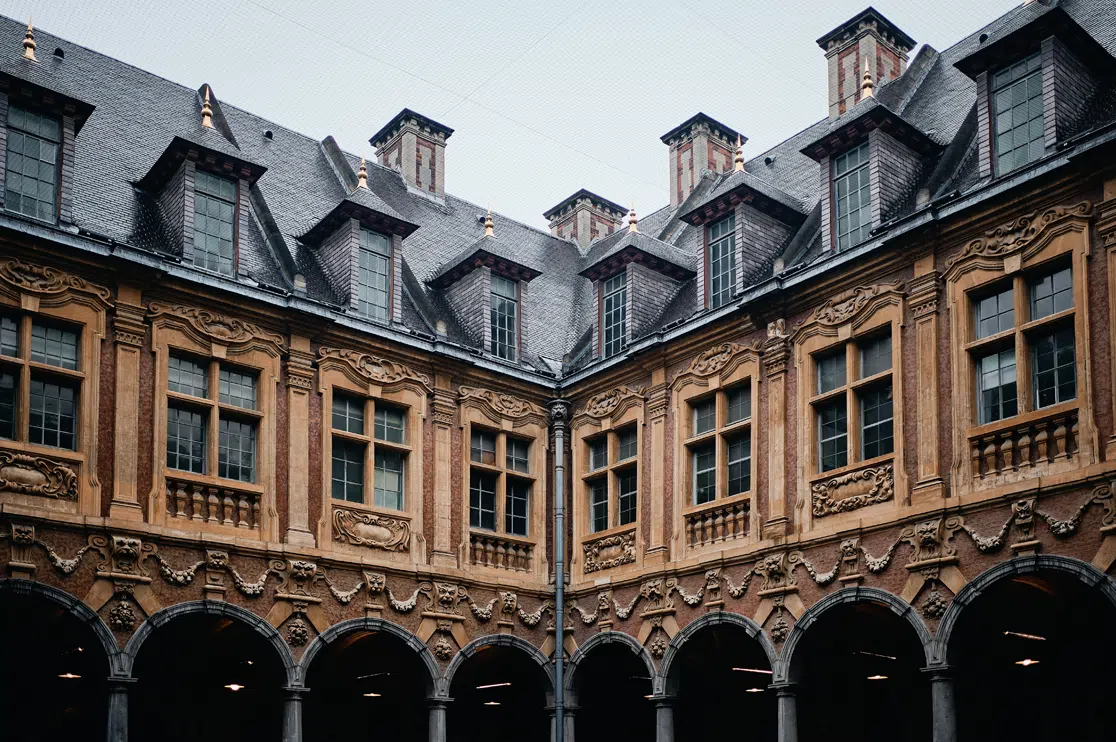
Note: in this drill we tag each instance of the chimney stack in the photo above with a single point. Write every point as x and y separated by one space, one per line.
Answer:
584 217
700 143
867 46
415 146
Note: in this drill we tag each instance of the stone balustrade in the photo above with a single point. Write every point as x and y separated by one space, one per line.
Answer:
1019 445
717 522
500 552
216 506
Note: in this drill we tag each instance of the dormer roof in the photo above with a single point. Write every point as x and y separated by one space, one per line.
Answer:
487 251
47 97
205 146
613 253
852 128
367 208
741 186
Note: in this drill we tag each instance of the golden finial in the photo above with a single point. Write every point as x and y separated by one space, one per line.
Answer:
207 110
738 161
362 174
867 88
488 224
632 222
29 43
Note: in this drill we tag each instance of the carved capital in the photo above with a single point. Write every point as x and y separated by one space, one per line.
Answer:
128 325
1106 222
300 370
657 402
923 293
443 408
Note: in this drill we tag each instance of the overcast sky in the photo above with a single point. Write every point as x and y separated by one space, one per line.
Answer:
545 97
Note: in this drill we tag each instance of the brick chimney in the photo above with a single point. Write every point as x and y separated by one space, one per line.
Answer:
865 37
584 217
700 143
415 146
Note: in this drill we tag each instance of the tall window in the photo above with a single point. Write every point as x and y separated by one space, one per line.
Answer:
31 180
363 462
611 480
203 397
614 314
722 261
1016 94
505 318
214 222
852 197
39 372
719 444
852 403
374 275
500 482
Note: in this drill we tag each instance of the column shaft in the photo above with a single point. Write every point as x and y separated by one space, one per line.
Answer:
292 714
664 720
943 704
117 726
437 726
788 714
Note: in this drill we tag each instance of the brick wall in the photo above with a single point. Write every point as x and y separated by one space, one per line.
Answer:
597 319
176 203
523 314
648 293
1067 87
469 299
338 254
244 223
3 143
893 172
757 234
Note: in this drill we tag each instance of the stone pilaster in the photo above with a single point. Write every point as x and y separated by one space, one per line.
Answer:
656 415
923 297
776 354
300 385
129 331
444 410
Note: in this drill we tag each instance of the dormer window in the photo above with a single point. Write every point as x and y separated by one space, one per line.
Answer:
31 183
614 313
214 222
374 279
852 197
505 318
722 261
1017 105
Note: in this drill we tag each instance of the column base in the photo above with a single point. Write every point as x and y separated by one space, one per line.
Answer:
775 528
300 537
126 510
444 559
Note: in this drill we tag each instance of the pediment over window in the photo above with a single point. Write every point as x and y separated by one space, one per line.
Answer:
214 153
367 208
46 99
853 128
487 251
612 254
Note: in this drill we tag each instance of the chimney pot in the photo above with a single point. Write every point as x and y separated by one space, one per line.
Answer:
414 146
863 53
699 143
584 217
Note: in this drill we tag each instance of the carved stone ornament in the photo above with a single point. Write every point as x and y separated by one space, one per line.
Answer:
853 490
371 368
604 404
509 603
846 305
1017 234
716 358
215 327
36 475
298 633
501 405
658 647
935 605
780 629
122 617
443 649
44 281
930 539
376 582
777 571
610 551
368 529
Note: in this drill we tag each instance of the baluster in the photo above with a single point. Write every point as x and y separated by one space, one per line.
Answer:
738 521
214 506
229 509
1024 446
1040 443
489 553
529 559
990 454
242 511
1060 439
521 559
719 525
691 531
1008 450
478 551
707 530
975 453
255 511
196 501
501 554
180 500
1073 442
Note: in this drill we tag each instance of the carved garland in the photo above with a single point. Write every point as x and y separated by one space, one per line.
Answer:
853 490
213 327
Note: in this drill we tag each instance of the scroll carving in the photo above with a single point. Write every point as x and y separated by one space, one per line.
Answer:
1019 233
371 368
854 490
610 551
605 404
216 327
846 305
36 475
45 281
716 358
369 529
502 405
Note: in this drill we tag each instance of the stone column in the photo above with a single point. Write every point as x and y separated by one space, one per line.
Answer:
664 718
570 717
775 357
437 715
656 415
117 727
128 334
292 714
943 708
787 699
923 301
444 409
300 385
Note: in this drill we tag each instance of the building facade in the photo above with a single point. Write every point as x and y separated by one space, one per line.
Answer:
283 432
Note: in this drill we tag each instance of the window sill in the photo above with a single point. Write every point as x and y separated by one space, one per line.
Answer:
209 481
37 449
1026 418
613 531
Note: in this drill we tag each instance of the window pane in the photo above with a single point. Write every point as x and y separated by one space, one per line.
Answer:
740 464
996 386
483 447
7 405
598 453
9 336
615 319
995 314
236 450
1051 294
31 180
517 449
833 435
214 219
185 440
722 261
388 480
54 346
348 470
187 377
852 197
1055 372
348 414
626 484
482 500
389 424
739 404
1017 112
504 318
237 389
628 443
877 436
515 507
705 474
705 416
373 275
875 356
831 371
598 505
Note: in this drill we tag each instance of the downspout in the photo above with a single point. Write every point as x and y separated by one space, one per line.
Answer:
558 413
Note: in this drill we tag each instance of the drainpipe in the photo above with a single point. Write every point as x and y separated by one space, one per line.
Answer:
558 413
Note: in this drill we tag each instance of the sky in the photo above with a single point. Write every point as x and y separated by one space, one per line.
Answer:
544 97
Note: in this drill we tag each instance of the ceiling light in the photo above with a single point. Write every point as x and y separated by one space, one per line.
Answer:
248 662
371 695
234 687
373 675
493 685
491 703
1021 635
1027 662
649 696
69 676
873 654
877 677
754 690
752 669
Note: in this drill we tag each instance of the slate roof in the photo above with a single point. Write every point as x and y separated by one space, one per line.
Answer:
136 115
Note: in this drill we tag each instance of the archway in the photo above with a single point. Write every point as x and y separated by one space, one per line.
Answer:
206 671
498 683
719 668
854 647
1031 657
610 679
55 664
367 678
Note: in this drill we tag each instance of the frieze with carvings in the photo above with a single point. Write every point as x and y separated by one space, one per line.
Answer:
610 551
36 475
44 281
607 403
715 359
853 490
1018 234
846 305
498 405
210 326
374 369
371 530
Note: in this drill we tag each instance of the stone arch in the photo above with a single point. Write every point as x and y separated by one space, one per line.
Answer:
496 640
119 666
1088 574
898 606
601 639
339 630
666 667
217 608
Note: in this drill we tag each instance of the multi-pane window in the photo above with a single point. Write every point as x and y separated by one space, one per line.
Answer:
1045 339
852 196
852 406
611 478
214 222
722 261
1016 95
364 463
500 481
39 372
31 168
212 419
374 275
614 314
505 318
719 444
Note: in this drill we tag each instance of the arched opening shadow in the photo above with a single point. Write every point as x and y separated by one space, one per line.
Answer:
498 687
613 683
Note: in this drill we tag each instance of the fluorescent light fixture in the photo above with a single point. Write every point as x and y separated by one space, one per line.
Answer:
493 685
1027 662
234 687
69 676
371 695
1021 635
752 669
873 654
373 675
754 690
491 703
877 677
649 696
